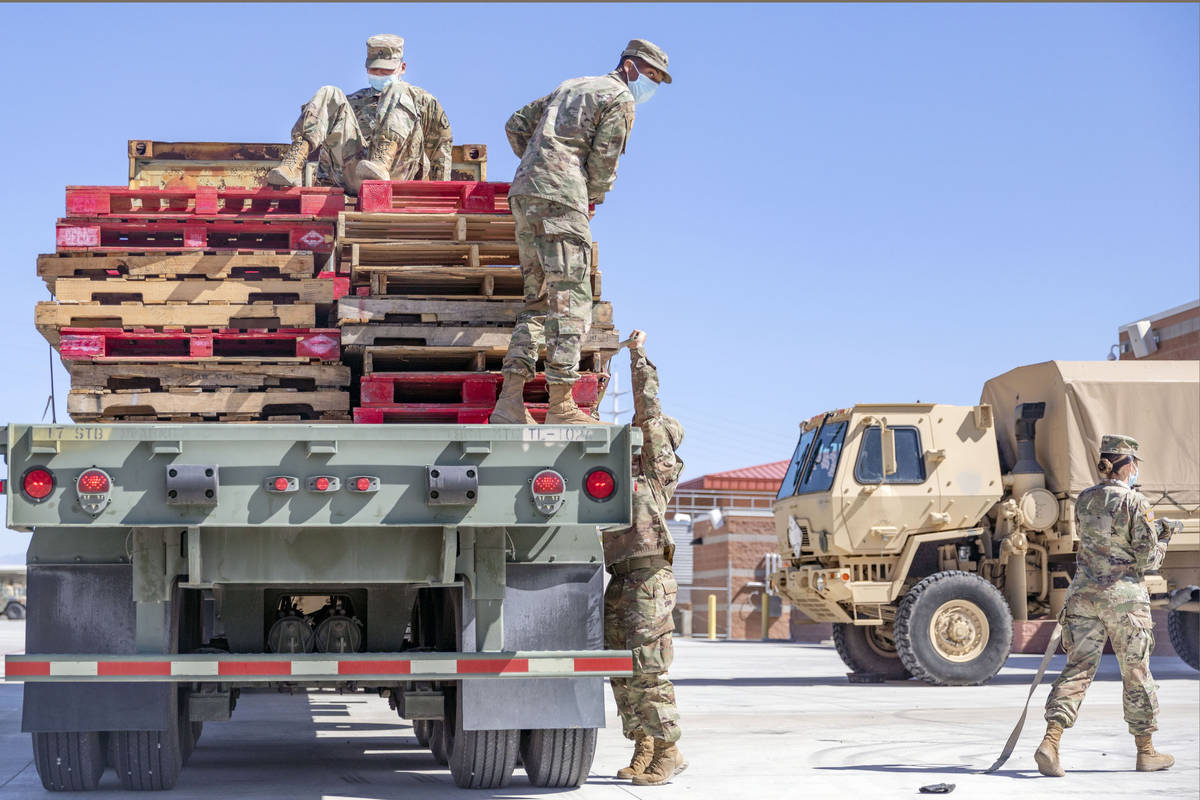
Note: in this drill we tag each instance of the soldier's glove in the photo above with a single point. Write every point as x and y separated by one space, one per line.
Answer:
1168 528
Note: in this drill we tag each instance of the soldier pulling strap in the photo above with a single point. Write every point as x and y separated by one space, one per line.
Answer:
1055 637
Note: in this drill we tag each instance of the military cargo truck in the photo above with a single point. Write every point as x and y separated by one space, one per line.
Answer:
454 569
924 531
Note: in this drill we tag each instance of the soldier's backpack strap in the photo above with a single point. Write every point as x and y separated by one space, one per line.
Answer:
1010 745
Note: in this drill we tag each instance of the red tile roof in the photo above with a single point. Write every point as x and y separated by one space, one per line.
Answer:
760 478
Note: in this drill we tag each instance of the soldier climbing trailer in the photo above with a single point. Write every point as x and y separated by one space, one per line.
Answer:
927 533
454 569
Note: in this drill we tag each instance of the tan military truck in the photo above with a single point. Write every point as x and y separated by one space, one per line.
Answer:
923 531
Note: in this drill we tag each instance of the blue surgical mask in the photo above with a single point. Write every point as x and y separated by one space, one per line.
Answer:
642 89
380 82
1133 478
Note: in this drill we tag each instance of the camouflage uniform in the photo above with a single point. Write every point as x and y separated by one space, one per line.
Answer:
569 143
343 127
641 595
1107 600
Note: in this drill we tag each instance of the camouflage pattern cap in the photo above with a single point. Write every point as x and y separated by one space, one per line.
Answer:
1120 445
649 52
385 51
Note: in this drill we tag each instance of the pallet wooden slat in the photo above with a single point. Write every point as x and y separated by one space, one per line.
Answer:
356 337
50 317
152 291
221 401
124 376
412 358
358 226
474 311
52 266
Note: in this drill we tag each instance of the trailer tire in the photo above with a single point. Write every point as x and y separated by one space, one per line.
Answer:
973 627
864 653
1184 630
483 759
149 760
558 757
421 731
14 610
69 762
438 745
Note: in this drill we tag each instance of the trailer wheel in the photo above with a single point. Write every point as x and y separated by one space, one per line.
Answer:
188 730
954 629
437 742
149 760
421 731
483 759
869 649
14 610
558 757
1184 630
69 762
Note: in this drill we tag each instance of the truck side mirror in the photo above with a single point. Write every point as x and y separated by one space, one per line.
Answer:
888 441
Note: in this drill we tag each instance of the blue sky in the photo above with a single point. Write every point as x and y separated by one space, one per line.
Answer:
831 204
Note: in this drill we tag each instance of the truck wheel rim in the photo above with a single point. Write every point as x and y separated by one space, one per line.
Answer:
959 631
879 639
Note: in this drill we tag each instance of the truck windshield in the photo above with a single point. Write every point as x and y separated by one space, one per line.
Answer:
788 487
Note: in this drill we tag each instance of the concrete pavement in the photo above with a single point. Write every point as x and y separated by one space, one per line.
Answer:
761 720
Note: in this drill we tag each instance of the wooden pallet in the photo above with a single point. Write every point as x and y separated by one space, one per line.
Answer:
411 358
308 418
357 337
53 266
441 413
418 253
302 201
472 312
180 233
50 317
88 403
444 282
127 377
156 291
390 388
362 227
145 346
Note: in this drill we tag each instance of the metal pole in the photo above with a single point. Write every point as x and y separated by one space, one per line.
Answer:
712 617
766 619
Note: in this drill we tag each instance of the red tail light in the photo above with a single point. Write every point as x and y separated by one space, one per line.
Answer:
281 484
363 483
548 482
93 482
600 484
324 483
321 484
37 484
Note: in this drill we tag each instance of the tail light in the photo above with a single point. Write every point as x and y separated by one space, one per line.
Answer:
363 483
600 484
324 483
281 484
37 483
548 489
93 487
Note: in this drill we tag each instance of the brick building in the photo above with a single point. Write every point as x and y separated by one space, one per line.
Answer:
1172 334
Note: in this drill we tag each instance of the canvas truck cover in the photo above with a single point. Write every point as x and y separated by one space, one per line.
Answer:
1156 402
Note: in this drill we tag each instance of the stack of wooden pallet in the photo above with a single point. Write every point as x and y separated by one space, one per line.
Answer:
434 290
197 304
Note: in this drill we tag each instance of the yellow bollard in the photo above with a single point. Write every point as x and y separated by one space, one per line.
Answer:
712 617
766 619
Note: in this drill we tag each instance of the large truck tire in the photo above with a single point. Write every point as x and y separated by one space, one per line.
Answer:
954 629
421 731
69 762
483 759
14 610
558 757
1184 630
863 650
149 760
438 743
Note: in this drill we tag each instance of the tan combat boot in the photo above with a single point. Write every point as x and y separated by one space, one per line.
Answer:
643 753
1149 759
378 164
510 406
290 171
1046 755
563 410
666 764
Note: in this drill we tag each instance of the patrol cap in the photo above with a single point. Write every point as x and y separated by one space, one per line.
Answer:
649 52
385 51
1119 444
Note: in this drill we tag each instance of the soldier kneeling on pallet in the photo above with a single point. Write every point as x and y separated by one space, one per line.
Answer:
641 595
390 130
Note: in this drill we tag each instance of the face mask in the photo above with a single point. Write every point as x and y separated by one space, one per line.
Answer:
380 82
1133 478
642 89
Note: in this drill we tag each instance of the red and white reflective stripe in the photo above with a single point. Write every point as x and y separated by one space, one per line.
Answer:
329 666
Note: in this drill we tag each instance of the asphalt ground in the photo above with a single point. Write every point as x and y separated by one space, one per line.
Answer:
761 720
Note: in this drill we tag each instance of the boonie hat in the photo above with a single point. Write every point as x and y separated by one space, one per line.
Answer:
385 51
649 52
1119 444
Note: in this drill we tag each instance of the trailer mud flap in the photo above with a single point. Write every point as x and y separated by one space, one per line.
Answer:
86 608
546 607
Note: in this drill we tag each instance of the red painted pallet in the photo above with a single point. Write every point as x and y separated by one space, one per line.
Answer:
121 201
90 344
341 283
434 197
431 413
470 388
123 234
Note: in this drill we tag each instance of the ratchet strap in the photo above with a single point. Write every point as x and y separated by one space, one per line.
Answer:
1055 638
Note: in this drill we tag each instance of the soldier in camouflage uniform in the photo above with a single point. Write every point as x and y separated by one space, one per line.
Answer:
1119 543
390 130
641 595
569 142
